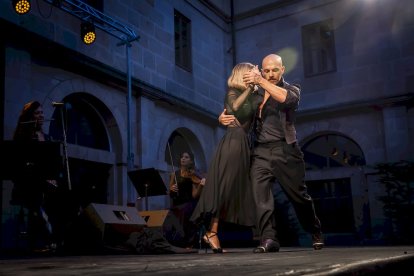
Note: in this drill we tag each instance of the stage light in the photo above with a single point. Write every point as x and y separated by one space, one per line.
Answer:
88 34
21 6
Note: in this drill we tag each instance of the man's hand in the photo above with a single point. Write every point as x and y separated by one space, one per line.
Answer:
253 76
225 119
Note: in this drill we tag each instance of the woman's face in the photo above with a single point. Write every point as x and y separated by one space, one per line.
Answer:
185 159
38 115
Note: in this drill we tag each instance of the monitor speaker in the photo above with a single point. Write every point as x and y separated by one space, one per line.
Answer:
112 224
167 222
154 219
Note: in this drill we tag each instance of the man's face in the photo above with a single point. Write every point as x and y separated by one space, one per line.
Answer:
272 70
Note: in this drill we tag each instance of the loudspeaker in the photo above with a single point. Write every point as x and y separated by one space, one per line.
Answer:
168 222
114 223
154 218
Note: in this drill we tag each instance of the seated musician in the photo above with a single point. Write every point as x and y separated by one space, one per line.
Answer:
186 184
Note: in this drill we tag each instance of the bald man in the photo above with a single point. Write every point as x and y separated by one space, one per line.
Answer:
276 154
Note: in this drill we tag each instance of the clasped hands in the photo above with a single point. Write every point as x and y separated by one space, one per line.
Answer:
252 77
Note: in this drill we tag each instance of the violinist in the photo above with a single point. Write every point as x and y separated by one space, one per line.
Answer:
186 184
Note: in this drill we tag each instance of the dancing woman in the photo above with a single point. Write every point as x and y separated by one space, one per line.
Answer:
227 192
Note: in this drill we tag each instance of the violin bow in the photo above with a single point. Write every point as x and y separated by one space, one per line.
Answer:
172 166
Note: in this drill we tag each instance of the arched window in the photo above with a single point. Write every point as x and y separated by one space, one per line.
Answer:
332 150
177 144
84 126
332 196
87 127
182 140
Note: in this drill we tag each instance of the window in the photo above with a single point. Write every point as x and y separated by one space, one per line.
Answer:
333 199
176 145
182 39
332 150
84 126
318 48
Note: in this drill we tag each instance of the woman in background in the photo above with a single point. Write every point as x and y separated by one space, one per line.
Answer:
186 184
31 190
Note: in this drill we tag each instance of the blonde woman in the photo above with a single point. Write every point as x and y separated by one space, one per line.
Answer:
227 192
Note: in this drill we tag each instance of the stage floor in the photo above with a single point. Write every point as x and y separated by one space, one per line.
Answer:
393 260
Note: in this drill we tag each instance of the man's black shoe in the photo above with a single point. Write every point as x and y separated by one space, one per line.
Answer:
317 241
266 246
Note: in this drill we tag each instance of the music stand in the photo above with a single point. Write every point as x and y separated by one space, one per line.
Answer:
147 182
30 159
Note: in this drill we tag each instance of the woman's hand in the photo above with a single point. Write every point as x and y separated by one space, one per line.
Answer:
174 188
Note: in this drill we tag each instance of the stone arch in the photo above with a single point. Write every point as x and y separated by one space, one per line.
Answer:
329 149
103 104
312 130
112 118
190 136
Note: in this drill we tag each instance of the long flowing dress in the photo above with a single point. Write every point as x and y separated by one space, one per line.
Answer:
227 192
32 191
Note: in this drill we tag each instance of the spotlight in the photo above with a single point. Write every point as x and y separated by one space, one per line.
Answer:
88 34
21 6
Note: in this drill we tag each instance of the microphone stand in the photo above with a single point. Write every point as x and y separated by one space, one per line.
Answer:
65 147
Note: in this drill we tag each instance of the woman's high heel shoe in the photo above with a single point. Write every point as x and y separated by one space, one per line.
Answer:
207 239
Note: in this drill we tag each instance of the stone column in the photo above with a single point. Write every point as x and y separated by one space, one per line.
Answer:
396 133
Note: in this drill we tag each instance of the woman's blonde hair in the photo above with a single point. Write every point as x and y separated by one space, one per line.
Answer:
236 77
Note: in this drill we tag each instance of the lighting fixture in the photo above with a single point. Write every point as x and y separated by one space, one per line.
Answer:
88 34
21 6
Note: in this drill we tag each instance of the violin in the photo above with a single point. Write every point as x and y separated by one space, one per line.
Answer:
193 174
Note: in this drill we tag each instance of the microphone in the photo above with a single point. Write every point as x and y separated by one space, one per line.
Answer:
56 104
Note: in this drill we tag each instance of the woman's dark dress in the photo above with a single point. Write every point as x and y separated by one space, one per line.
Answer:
227 189
183 205
33 192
